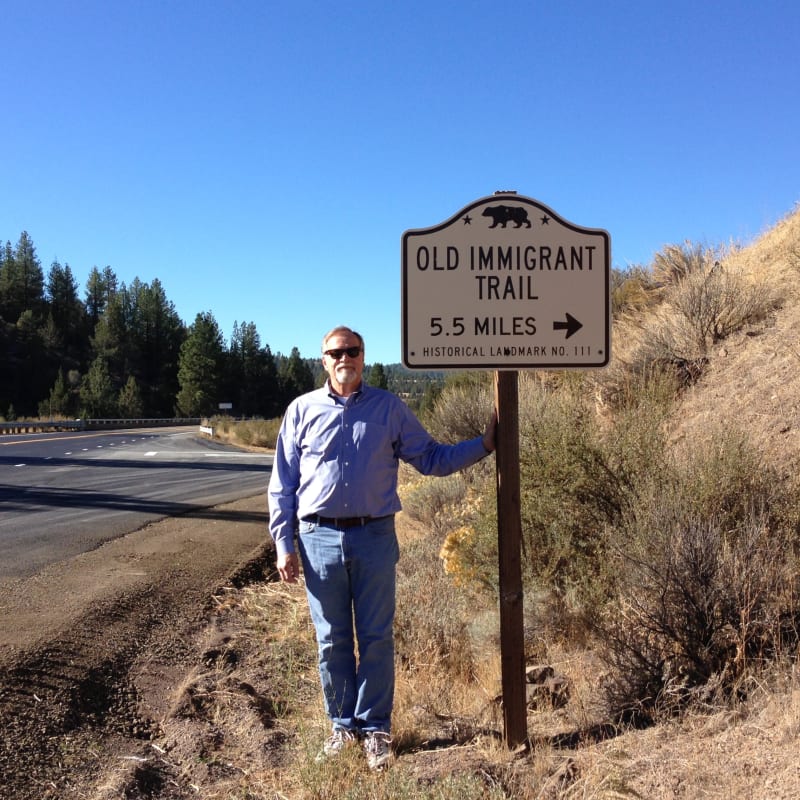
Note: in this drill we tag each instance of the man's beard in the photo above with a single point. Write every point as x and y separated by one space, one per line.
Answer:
346 374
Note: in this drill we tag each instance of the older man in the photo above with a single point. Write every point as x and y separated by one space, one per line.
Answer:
334 482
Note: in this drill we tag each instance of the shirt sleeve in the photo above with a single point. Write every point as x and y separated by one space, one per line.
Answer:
283 484
429 457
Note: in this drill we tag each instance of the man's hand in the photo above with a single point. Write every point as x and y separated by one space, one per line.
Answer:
289 567
489 433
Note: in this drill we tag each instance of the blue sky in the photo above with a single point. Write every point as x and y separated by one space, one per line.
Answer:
262 159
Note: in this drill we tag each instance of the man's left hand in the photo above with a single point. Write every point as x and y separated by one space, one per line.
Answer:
289 567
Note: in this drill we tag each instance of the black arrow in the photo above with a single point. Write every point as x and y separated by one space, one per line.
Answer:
570 326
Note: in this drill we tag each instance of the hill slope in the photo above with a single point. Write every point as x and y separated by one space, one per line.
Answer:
753 377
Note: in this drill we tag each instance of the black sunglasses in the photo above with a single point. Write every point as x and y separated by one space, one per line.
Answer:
338 352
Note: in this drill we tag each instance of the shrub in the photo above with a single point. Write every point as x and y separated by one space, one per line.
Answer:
470 558
632 290
674 262
222 425
431 620
723 477
648 369
714 303
576 482
702 301
700 606
671 349
435 502
569 488
462 408
258 433
251 433
708 581
433 627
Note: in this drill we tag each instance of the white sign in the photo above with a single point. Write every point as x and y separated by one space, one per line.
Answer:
506 284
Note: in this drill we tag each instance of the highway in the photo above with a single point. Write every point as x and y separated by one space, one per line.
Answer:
62 494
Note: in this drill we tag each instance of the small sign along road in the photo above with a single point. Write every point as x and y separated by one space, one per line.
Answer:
506 284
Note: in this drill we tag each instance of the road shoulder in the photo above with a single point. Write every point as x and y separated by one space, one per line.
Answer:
72 636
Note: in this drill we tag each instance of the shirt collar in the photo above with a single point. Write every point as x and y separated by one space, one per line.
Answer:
352 397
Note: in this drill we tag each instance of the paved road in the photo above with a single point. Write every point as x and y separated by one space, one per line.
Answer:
66 493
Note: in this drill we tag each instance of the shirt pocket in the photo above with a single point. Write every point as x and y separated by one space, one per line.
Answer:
372 437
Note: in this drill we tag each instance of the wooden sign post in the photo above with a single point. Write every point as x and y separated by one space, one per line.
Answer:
509 533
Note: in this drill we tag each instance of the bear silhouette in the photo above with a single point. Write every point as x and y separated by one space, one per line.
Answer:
502 215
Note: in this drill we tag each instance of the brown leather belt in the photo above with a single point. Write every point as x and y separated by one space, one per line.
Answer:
339 522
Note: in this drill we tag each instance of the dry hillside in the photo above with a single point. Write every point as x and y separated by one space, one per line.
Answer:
751 382
753 377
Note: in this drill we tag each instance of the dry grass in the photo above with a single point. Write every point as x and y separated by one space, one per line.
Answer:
256 433
448 729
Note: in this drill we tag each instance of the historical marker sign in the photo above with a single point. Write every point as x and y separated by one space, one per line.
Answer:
506 283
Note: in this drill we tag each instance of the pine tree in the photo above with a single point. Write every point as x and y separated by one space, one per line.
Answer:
97 394
271 401
130 402
110 336
155 336
6 278
252 379
200 368
67 311
377 377
31 379
22 281
100 288
295 376
58 403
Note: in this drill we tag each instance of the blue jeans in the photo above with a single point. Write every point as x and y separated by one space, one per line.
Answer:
350 582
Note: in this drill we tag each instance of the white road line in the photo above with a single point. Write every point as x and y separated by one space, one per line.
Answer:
233 455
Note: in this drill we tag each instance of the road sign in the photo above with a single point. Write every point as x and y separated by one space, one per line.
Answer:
506 283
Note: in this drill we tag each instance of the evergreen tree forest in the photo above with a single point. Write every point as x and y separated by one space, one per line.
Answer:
121 350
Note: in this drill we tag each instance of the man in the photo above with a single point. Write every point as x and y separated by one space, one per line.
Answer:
334 482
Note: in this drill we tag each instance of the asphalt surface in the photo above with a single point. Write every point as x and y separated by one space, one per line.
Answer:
62 494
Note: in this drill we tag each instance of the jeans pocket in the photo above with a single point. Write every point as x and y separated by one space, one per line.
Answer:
306 527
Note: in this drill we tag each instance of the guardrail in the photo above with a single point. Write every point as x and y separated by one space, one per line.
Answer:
36 426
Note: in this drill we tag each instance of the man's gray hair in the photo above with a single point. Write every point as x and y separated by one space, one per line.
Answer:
342 329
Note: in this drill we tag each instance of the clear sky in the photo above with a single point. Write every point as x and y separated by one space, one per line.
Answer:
262 159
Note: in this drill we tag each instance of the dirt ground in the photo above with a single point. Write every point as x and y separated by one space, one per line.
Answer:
92 649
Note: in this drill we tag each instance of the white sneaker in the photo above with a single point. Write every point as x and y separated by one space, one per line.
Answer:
377 746
336 742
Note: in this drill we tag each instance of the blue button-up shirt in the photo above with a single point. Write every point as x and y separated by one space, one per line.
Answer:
338 457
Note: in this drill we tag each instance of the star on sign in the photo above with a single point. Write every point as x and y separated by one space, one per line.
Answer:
545 220
467 220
